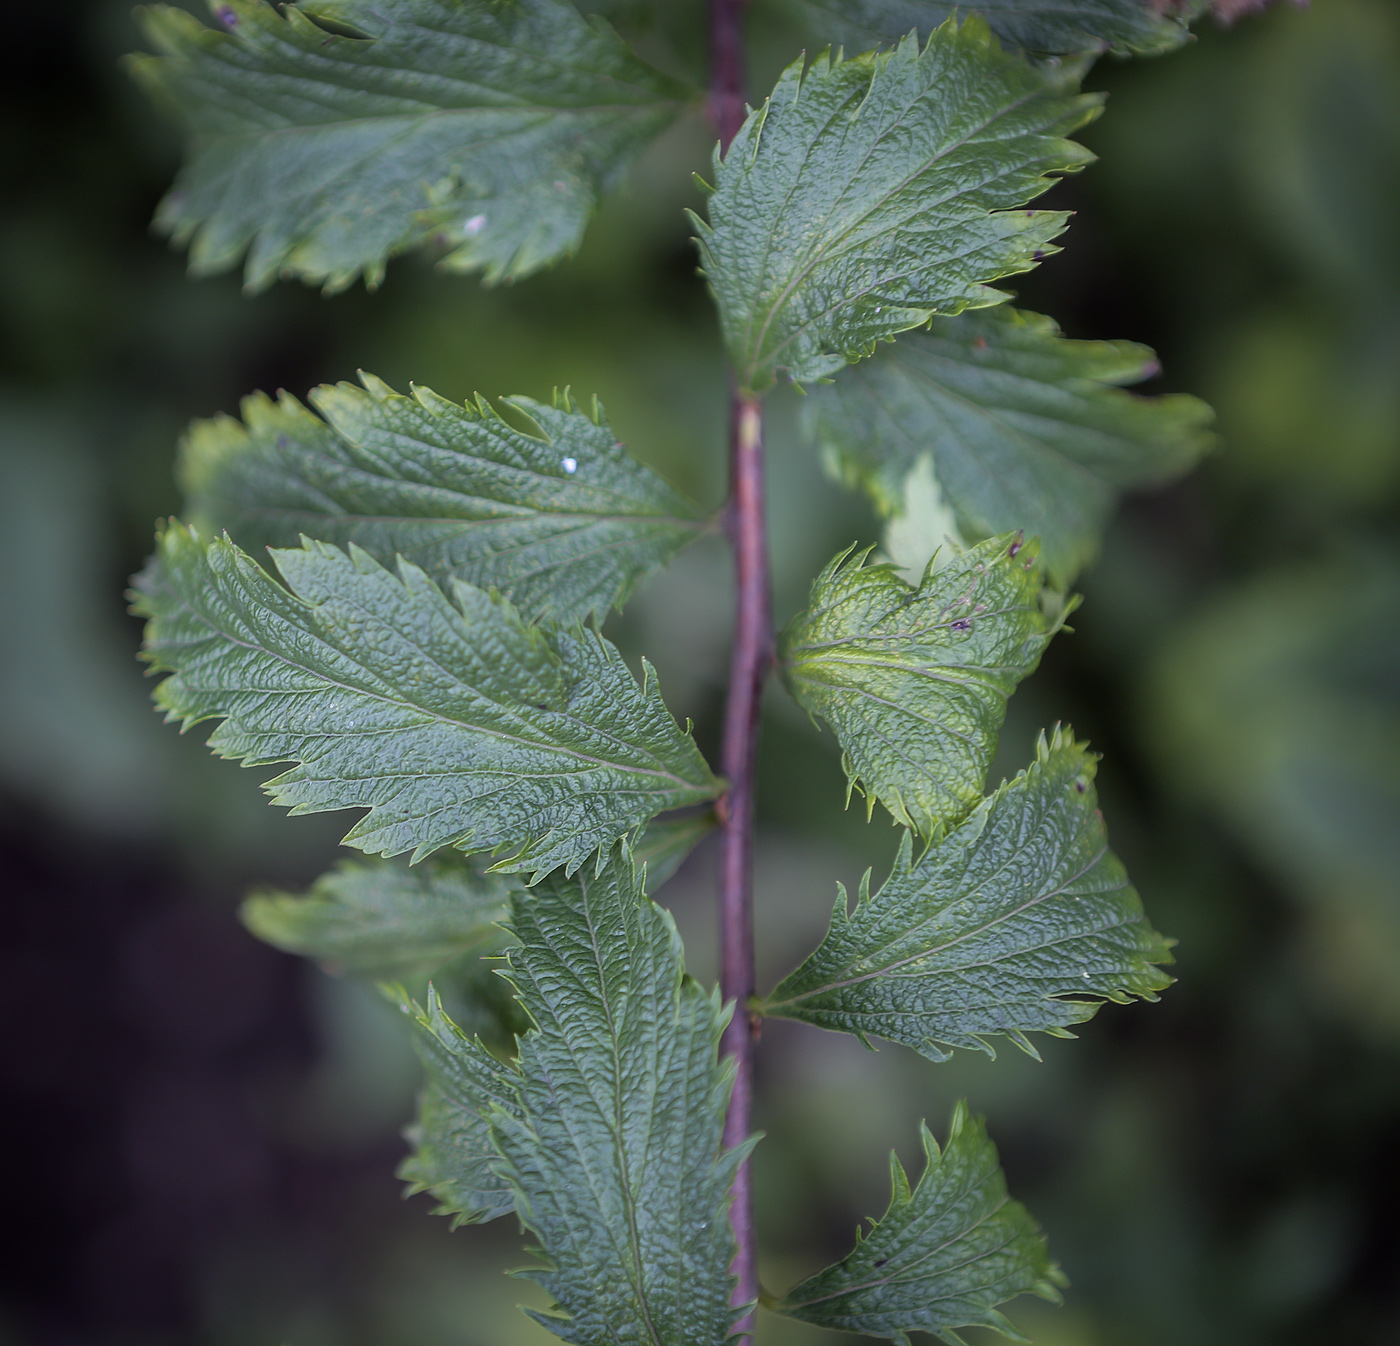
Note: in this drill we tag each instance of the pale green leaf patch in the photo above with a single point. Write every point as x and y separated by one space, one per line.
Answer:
450 720
388 921
325 140
868 194
944 1256
562 519
1020 920
915 679
383 919
1026 429
1040 27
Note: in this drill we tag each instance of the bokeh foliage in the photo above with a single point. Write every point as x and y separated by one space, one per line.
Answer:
1215 1171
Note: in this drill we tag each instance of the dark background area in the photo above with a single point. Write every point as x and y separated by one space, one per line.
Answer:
200 1133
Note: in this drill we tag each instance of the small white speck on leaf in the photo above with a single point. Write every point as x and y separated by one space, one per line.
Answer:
474 226
570 464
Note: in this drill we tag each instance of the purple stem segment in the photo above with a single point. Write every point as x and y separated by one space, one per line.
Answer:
749 665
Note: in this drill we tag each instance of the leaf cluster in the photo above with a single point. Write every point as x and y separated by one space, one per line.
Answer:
423 644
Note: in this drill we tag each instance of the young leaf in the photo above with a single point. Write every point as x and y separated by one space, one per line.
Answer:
488 127
385 920
563 523
944 1256
1020 920
453 1156
1045 27
451 720
1027 430
915 680
615 1151
868 194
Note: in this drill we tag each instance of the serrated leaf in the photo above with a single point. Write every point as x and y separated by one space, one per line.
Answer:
563 522
452 721
868 194
615 1152
385 920
453 1156
487 127
944 1255
1020 920
1027 430
915 680
1045 27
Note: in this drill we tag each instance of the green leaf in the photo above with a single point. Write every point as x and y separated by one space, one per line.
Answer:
563 522
487 127
1046 27
667 843
385 920
944 1256
388 921
1020 920
609 1127
868 194
1027 430
450 719
453 1155
915 681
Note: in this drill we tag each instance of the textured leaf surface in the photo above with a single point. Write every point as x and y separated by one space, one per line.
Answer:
1020 920
451 720
489 127
868 194
453 1155
944 1255
1027 430
1051 27
612 1143
915 680
384 919
563 522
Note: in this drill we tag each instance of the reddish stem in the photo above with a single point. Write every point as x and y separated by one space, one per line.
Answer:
749 664
727 67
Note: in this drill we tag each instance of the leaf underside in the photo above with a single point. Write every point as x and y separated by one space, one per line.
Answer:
1045 27
1020 920
452 721
1027 430
563 522
487 127
944 1255
868 194
915 681
610 1137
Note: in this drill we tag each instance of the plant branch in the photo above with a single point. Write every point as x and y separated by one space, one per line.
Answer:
727 67
752 656
749 664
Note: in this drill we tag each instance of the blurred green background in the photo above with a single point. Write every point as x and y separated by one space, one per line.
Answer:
200 1133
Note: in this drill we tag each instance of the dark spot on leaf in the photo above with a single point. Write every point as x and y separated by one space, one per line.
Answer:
981 343
1080 786
1017 545
1039 255
879 1261
962 624
226 16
